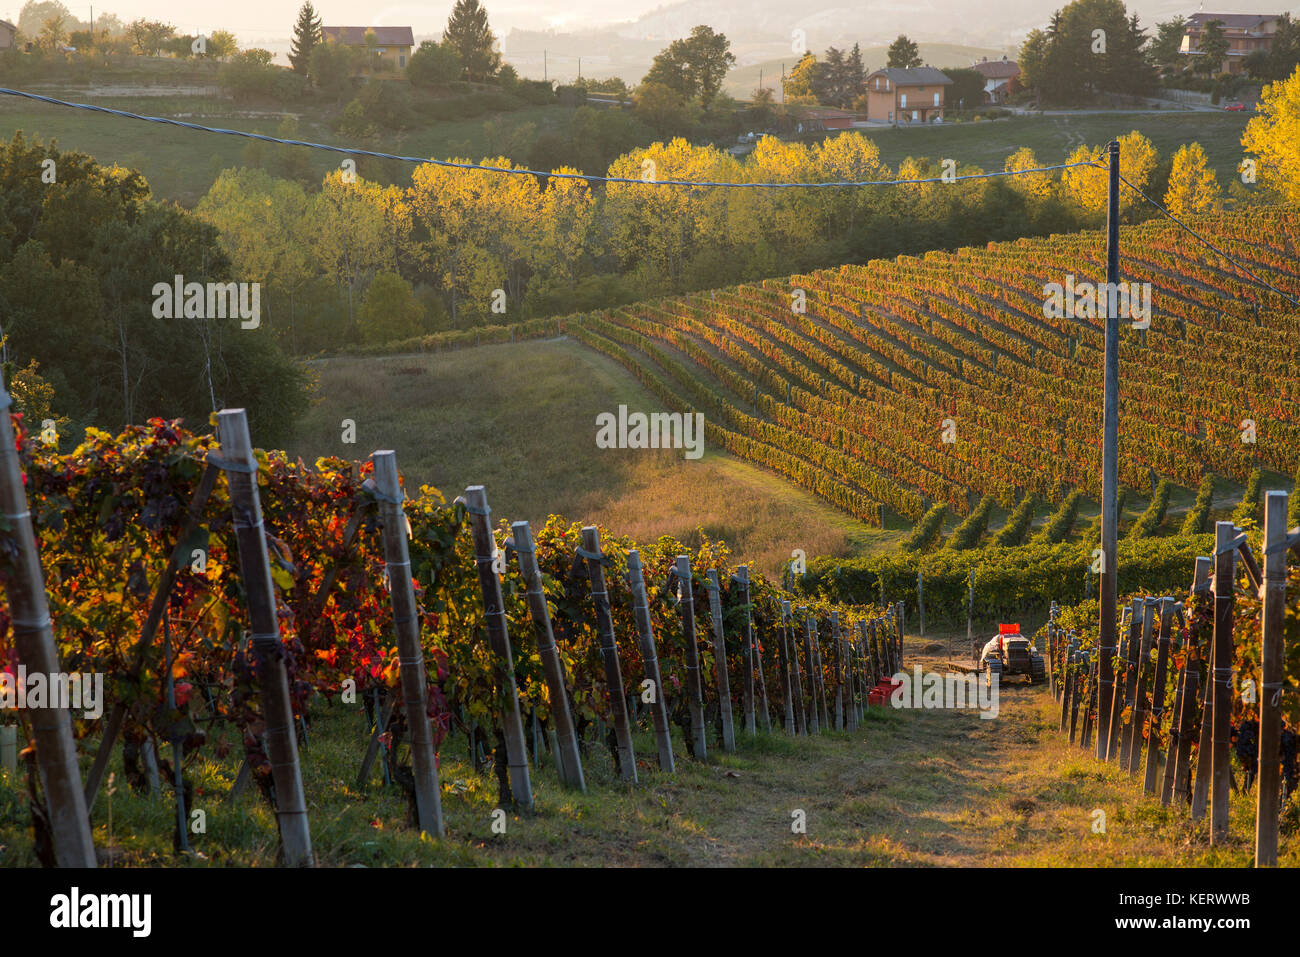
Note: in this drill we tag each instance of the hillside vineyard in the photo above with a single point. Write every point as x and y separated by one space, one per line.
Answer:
943 378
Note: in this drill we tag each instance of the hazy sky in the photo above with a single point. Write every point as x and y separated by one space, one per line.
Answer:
251 20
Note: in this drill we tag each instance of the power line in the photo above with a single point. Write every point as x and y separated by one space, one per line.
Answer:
422 160
1209 245
636 181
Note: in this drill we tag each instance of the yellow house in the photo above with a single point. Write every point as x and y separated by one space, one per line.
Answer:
393 44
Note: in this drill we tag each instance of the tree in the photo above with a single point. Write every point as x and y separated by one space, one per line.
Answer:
693 66
434 64
967 90
1037 185
1088 185
1283 57
306 34
1165 51
1214 47
331 69
389 312
1090 47
148 36
903 54
470 36
1193 187
54 34
1033 60
222 45
36 13
803 78
1273 135
661 108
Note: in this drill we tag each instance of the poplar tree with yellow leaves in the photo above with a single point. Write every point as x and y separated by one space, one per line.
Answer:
1087 186
1273 135
1193 187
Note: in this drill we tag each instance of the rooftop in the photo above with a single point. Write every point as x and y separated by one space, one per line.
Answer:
916 76
384 36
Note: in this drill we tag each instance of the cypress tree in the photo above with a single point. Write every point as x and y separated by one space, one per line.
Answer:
306 34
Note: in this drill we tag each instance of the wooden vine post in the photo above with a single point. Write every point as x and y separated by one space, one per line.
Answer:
1221 679
1183 785
1167 608
650 661
751 726
1078 663
410 649
800 708
720 661
814 725
494 617
783 662
1272 619
1221 698
1128 653
1068 688
898 637
255 569
836 645
567 757
694 680
1132 752
590 551
56 745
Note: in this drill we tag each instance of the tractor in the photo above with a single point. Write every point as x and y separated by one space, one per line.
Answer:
1011 653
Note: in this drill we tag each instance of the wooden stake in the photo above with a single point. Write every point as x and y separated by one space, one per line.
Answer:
720 662
1272 619
751 725
836 644
783 662
650 661
255 569
1132 753
800 709
609 652
1158 695
410 649
1079 662
1221 697
494 615
1175 738
56 747
694 680
568 761
1128 652
814 726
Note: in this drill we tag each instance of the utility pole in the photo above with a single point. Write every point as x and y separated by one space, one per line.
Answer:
545 79
579 68
1109 465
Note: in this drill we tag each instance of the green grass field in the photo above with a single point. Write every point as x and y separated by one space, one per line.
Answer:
520 420
987 144
182 164
910 788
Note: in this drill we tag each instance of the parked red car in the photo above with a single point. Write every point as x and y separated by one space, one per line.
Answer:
1235 107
